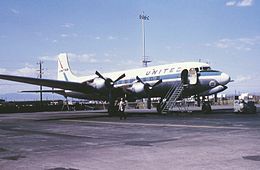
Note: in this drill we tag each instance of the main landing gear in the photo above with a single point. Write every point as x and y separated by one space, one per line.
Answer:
111 90
160 105
112 108
206 107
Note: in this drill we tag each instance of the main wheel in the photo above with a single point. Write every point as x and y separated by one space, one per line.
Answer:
158 108
111 110
206 107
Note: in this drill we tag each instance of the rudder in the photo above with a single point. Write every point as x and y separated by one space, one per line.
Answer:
64 71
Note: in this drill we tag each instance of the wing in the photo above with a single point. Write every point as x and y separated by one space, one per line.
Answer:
74 86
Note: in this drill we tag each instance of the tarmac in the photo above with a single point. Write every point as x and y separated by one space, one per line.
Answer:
145 140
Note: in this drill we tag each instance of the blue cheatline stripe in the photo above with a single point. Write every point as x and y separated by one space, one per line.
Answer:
166 77
152 78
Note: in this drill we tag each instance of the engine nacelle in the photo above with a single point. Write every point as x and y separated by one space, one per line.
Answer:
98 83
138 88
214 90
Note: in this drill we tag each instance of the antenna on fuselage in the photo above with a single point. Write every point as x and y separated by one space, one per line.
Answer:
143 18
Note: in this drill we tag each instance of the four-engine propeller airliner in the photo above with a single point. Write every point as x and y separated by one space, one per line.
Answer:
199 80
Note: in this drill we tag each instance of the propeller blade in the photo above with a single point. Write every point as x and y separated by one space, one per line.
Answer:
119 78
138 78
99 75
157 83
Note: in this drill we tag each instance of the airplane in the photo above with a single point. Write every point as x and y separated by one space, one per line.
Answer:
155 81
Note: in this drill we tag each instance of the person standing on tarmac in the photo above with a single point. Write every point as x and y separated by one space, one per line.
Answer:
121 108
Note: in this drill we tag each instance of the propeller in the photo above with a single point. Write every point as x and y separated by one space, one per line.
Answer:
109 83
148 88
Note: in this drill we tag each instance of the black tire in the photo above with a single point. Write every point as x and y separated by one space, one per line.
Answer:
206 108
111 110
158 108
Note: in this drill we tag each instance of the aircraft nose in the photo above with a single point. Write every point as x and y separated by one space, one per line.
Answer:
225 79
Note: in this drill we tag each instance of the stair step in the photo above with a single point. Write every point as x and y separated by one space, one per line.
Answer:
172 96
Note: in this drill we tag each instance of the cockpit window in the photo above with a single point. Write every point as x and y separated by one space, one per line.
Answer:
205 68
209 71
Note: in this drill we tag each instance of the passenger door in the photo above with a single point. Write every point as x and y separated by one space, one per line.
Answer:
193 76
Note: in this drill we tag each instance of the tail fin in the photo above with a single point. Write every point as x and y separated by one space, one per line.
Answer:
64 72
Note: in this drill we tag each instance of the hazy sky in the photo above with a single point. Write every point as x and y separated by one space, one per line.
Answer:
105 35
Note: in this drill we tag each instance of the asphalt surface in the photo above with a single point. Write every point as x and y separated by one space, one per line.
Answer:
92 140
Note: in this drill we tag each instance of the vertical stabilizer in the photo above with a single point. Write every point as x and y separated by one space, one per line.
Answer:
64 71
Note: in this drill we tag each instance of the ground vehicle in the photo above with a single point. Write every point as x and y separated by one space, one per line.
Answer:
242 106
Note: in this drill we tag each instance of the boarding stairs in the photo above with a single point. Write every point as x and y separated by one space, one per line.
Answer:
171 101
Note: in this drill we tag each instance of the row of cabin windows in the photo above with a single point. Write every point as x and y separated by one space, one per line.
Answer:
158 77
143 79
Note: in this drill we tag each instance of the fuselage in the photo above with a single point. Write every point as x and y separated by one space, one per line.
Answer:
197 78
201 78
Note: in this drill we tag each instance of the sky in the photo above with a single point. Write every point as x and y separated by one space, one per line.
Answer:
105 35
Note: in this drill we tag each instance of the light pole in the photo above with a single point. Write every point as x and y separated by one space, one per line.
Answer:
143 18
40 76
